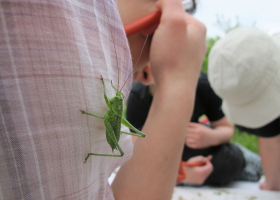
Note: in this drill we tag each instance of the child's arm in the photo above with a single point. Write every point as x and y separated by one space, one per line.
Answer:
177 51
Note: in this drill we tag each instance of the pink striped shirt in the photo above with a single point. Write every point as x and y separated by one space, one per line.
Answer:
52 53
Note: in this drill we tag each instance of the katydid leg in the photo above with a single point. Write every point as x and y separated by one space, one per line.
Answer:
114 86
92 114
104 89
111 134
133 134
130 126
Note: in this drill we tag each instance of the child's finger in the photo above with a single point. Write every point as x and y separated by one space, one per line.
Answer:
173 13
170 5
191 124
197 159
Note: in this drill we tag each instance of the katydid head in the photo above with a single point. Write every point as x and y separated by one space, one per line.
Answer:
120 96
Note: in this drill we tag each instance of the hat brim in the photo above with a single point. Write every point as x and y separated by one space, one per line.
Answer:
260 111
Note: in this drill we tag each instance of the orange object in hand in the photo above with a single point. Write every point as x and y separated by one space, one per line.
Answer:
182 175
142 23
151 19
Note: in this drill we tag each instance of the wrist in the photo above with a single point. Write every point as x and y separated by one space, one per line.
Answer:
180 76
222 135
214 139
171 93
174 99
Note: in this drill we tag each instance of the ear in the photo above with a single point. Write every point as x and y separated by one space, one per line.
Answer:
145 76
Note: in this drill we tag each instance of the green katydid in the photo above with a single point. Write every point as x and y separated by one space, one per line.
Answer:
113 116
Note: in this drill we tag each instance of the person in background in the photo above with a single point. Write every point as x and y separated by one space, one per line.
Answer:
244 70
227 161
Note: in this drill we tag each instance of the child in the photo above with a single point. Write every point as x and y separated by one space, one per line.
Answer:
244 70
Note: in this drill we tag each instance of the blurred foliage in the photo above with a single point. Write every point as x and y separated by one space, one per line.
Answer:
210 44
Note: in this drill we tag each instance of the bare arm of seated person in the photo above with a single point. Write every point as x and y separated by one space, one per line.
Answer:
200 136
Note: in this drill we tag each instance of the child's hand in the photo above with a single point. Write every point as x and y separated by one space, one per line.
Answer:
199 136
178 45
197 175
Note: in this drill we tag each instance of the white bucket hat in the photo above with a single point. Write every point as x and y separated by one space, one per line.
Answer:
244 70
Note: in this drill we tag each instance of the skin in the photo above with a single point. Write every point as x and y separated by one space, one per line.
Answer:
197 175
270 153
176 58
198 136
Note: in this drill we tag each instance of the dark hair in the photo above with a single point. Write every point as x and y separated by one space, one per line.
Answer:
193 9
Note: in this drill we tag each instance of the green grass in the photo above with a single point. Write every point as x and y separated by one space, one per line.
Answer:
248 140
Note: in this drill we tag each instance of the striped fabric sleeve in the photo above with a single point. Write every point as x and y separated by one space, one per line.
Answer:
52 54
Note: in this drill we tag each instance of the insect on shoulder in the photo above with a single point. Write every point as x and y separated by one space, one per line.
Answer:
113 115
